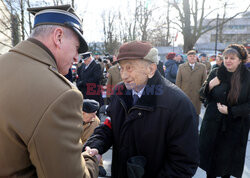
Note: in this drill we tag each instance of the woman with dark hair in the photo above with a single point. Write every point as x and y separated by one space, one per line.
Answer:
225 126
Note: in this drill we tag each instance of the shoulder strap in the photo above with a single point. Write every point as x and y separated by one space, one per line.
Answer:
54 70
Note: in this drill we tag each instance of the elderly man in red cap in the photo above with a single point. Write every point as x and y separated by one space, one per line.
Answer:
151 123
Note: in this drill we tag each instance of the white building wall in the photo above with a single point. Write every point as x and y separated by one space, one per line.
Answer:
235 27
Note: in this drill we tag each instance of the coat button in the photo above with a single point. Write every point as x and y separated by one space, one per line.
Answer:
139 114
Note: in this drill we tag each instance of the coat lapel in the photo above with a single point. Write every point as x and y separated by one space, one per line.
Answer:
196 67
188 68
90 66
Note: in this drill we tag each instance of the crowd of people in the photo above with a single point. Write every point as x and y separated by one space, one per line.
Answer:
49 127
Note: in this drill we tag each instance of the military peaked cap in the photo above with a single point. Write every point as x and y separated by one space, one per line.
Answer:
85 55
63 15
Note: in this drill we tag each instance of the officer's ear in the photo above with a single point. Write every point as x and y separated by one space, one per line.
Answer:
58 36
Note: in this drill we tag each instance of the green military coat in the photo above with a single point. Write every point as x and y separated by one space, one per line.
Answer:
41 117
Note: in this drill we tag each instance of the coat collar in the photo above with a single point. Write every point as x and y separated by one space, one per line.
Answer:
188 67
148 99
36 52
225 76
90 66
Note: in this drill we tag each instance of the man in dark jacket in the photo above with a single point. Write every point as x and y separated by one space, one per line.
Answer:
171 67
160 68
150 121
89 78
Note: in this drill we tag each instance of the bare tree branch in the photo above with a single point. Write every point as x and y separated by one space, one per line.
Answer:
192 33
5 44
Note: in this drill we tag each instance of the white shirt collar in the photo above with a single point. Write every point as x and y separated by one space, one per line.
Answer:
192 65
89 63
138 93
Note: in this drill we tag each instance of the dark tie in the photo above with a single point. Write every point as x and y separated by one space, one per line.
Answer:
135 98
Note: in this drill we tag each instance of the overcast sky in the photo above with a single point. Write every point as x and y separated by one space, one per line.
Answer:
91 11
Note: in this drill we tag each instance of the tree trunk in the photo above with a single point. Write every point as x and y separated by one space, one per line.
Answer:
22 19
30 26
15 33
187 32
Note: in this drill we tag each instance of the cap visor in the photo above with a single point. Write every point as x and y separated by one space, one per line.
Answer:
83 45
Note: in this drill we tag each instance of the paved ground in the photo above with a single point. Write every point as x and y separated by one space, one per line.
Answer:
199 174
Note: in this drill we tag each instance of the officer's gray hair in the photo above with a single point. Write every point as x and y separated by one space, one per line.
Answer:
46 30
43 30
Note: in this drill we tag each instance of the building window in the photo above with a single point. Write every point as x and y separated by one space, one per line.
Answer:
233 38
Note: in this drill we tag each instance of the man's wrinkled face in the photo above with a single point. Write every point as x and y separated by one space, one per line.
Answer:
178 58
88 117
203 58
87 61
191 58
134 73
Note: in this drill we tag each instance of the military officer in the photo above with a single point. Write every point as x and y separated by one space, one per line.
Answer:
41 117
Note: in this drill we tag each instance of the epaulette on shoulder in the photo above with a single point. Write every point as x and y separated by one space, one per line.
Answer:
54 70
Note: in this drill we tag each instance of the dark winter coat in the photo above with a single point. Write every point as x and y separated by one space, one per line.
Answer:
223 138
171 70
162 127
69 76
89 81
248 65
215 66
160 68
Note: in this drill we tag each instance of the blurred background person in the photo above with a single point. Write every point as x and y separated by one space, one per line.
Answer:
160 68
203 60
69 76
99 60
90 122
171 67
114 77
79 64
219 61
179 59
190 78
107 60
225 127
89 78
